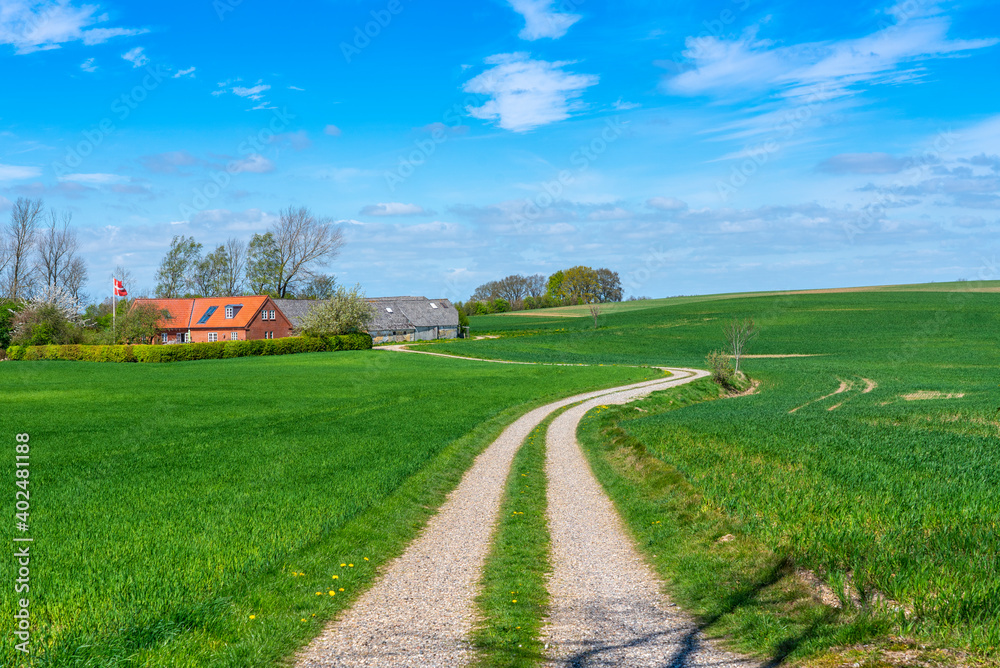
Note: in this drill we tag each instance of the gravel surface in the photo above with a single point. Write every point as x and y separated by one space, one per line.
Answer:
608 608
421 610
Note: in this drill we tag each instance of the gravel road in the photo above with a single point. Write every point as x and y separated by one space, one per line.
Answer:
421 610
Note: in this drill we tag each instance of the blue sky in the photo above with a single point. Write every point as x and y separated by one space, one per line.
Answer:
692 147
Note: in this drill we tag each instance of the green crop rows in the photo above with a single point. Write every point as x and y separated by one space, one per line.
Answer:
195 514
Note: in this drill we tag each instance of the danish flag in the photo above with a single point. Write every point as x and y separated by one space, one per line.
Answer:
120 290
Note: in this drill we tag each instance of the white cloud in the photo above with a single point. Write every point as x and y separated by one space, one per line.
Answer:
621 105
136 57
332 130
254 163
666 203
295 88
527 93
393 209
747 65
88 65
33 25
94 179
542 20
189 72
18 172
254 92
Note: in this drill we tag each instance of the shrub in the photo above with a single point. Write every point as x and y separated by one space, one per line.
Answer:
15 353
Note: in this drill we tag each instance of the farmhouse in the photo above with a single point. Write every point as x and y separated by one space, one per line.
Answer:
394 319
220 319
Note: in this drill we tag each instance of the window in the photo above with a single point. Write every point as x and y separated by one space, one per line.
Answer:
213 337
233 336
208 314
165 337
263 315
433 305
388 310
272 317
229 313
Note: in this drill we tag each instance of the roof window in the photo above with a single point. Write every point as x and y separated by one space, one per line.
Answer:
388 310
433 305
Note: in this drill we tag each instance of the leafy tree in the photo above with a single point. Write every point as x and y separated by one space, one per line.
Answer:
263 267
345 312
555 285
739 334
51 317
140 323
609 286
580 285
178 269
212 273
499 305
8 311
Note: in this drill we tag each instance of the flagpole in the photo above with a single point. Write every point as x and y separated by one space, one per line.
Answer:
114 311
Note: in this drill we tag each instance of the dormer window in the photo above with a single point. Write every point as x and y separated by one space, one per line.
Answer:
229 313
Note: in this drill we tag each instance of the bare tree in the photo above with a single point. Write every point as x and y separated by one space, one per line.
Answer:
74 276
302 241
236 250
57 246
22 232
536 285
595 312
739 334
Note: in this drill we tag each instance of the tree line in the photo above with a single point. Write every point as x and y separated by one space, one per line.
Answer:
576 285
283 262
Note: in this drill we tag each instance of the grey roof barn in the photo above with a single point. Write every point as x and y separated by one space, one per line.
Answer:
394 318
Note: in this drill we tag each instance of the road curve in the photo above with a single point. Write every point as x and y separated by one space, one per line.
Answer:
421 610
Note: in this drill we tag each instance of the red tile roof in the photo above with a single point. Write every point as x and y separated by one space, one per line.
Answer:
187 312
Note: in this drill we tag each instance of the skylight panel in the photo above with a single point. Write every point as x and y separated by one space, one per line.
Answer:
208 314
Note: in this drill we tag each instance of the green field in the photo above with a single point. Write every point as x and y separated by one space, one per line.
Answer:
895 489
188 514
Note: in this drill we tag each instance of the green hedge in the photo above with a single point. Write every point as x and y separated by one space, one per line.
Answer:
184 352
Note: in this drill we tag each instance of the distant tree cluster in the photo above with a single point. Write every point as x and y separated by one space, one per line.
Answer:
576 285
282 262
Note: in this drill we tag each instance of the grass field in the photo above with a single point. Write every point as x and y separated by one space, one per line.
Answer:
891 484
216 513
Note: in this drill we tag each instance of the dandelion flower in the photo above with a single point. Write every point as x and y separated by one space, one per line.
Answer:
335 577
253 616
350 565
366 558
303 619
319 593
342 565
341 589
514 601
333 593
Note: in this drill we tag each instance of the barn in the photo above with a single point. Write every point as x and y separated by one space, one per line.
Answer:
395 319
